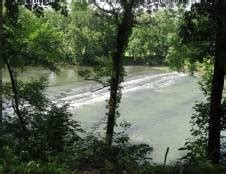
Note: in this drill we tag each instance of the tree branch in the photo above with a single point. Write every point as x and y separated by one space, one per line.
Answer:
112 12
104 86
15 97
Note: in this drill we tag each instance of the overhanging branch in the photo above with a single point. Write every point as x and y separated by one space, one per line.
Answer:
112 11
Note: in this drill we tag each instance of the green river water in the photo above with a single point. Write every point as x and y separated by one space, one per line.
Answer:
158 106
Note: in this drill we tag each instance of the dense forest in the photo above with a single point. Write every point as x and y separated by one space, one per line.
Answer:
100 40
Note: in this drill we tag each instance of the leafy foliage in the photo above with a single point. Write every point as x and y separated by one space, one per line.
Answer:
54 143
50 128
194 40
30 40
151 37
122 156
88 36
196 145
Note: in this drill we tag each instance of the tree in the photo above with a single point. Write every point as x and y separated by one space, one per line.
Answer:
194 39
12 16
123 13
196 145
204 27
124 30
28 40
89 35
216 111
1 66
154 35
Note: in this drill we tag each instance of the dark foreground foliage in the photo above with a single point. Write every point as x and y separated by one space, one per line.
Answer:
53 142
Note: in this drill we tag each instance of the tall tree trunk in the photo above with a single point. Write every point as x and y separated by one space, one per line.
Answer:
1 58
216 111
1 66
12 11
15 97
123 34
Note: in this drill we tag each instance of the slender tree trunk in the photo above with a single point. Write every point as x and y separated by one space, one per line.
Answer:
216 111
12 11
1 58
15 97
1 66
123 34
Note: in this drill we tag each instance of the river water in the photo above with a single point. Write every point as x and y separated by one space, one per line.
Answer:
157 103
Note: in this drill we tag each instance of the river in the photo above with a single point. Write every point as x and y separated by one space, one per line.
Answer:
157 103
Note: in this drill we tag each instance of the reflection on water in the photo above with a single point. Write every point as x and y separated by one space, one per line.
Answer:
157 103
